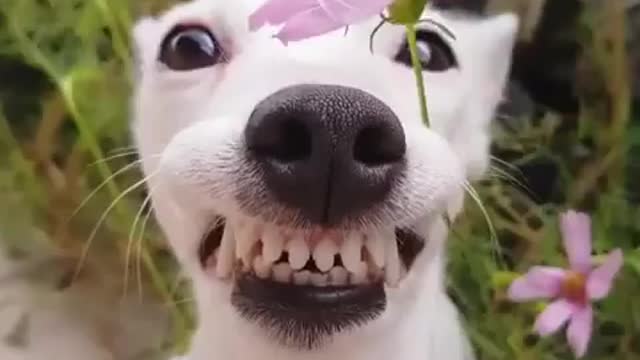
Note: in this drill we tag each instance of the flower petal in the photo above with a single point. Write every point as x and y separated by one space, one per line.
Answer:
308 24
600 280
579 331
352 11
307 18
576 236
275 12
539 282
553 317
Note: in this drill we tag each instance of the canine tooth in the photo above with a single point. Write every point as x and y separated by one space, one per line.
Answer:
272 244
375 247
282 272
338 276
351 251
246 237
324 254
392 260
224 256
298 252
261 267
302 277
359 276
318 279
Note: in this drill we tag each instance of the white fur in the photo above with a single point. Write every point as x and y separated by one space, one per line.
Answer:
188 128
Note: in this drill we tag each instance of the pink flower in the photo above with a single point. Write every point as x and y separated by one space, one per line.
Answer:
572 289
307 18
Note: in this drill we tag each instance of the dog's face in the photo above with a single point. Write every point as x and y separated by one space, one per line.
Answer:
298 185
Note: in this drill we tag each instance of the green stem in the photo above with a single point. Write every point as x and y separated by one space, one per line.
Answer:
417 69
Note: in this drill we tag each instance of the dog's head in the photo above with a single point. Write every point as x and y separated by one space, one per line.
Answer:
298 185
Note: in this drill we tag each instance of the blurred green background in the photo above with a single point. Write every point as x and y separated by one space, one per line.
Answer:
84 254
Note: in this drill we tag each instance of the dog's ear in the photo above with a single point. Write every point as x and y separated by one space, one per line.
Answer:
487 48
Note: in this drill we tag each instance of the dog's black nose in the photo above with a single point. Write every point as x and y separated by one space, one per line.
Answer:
328 152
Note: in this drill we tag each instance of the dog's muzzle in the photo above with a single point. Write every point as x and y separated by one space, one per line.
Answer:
332 156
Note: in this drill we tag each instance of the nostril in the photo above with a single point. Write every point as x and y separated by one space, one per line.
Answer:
284 139
379 145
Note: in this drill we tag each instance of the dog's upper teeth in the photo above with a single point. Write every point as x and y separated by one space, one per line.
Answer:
324 254
272 244
359 276
392 261
375 244
246 238
365 257
351 251
298 252
224 258
261 267
282 272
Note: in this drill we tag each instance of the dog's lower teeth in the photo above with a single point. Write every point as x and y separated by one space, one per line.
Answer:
282 273
302 277
338 276
319 279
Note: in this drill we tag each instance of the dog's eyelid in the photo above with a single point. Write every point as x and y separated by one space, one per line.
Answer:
435 26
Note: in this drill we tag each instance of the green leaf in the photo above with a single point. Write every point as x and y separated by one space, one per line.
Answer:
406 11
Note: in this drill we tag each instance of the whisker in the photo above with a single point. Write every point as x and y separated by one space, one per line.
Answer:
139 252
105 182
505 164
492 232
103 217
122 149
102 185
187 300
113 157
130 242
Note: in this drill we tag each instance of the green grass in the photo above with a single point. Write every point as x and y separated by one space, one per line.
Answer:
63 133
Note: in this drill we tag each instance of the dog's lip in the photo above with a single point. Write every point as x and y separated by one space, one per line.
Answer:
303 316
306 297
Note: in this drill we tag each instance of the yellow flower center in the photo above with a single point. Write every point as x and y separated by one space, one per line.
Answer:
574 287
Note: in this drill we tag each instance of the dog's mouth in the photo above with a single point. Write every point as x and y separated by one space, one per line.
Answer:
305 285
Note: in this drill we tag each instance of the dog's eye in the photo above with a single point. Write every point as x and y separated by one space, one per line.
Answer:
434 53
189 48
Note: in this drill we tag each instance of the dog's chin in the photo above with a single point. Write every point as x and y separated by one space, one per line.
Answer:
302 287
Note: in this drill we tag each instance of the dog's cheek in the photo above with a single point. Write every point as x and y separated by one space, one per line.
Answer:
433 177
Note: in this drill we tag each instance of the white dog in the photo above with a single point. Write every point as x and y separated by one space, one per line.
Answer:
298 185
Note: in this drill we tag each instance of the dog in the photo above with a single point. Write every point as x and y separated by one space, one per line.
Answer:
298 185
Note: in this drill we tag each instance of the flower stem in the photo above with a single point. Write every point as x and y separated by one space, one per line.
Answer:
417 69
